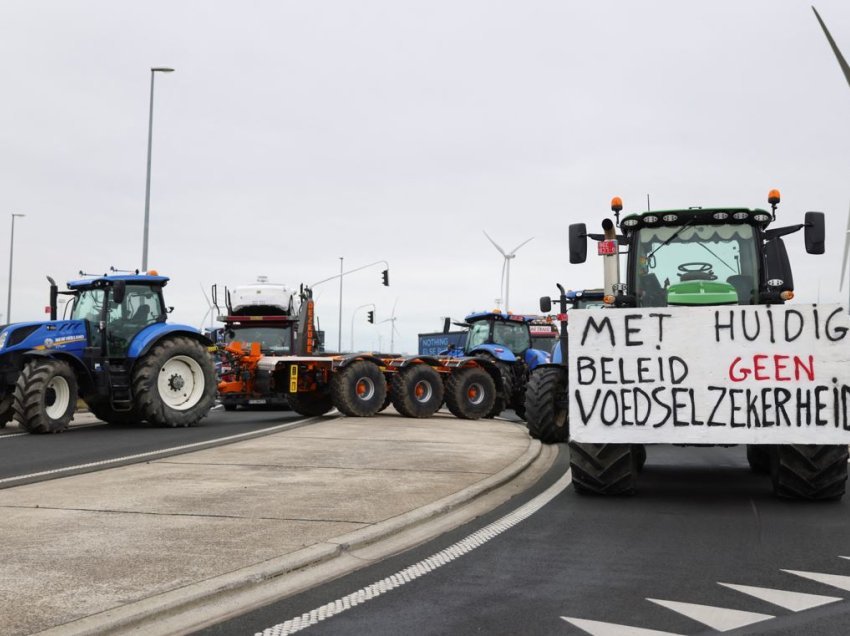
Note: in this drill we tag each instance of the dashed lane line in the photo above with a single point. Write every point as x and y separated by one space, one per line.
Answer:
413 572
162 451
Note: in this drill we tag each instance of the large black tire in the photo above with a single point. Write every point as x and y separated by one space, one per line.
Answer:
470 393
546 414
758 457
603 469
359 389
174 383
103 411
310 404
809 471
6 412
417 391
45 396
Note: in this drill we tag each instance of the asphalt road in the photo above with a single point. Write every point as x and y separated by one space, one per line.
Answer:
25 458
588 565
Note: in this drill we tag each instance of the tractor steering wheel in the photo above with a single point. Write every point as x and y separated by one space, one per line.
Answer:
697 271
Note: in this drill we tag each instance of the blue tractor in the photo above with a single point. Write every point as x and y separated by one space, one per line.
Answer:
546 396
116 352
505 340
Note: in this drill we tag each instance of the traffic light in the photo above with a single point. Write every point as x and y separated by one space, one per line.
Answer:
370 316
385 274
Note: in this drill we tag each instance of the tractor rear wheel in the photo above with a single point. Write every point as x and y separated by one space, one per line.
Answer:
603 469
45 396
546 417
809 471
174 384
470 393
359 389
417 391
310 404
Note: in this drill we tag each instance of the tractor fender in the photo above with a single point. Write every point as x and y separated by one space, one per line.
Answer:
429 360
354 357
497 351
534 358
150 335
83 373
557 355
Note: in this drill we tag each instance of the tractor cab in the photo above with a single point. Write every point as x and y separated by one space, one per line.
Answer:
505 337
115 309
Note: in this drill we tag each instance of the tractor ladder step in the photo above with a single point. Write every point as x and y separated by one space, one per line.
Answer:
120 391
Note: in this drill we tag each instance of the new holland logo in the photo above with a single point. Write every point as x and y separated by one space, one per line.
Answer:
50 343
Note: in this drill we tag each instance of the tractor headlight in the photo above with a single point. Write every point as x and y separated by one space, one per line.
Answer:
3 335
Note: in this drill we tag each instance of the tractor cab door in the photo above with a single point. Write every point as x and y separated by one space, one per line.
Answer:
89 307
128 313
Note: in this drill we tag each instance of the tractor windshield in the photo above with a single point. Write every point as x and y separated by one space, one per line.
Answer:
667 256
273 340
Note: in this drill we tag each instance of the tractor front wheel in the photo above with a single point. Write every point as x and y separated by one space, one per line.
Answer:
604 469
470 393
417 391
359 389
174 384
809 471
45 396
546 415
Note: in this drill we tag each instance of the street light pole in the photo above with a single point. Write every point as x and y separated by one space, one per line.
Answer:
11 252
154 70
339 343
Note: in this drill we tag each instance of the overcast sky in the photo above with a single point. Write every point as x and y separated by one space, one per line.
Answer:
295 133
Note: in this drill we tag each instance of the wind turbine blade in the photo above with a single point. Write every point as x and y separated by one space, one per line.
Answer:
204 292
502 282
846 249
392 315
520 245
841 61
496 245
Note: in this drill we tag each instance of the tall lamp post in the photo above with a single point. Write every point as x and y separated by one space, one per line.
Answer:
11 252
154 71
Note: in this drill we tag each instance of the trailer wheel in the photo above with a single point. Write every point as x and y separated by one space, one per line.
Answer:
45 396
603 469
387 400
417 391
103 411
809 471
547 417
470 393
359 389
310 404
758 457
174 384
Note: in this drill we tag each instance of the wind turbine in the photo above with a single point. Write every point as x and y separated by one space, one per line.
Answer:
209 309
393 331
845 68
506 268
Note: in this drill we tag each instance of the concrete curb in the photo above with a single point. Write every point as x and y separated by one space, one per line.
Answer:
134 614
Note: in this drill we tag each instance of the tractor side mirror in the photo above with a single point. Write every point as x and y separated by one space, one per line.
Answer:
578 243
779 274
119 290
815 232
545 304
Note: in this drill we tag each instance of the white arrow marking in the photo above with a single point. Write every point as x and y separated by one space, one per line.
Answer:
598 628
794 601
835 580
720 618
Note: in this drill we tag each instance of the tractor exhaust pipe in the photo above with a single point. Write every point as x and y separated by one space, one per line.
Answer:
611 260
54 295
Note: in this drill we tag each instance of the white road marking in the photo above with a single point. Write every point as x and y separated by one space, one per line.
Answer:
116 460
454 551
794 601
834 580
720 618
598 628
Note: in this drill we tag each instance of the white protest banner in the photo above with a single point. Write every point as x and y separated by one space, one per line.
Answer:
710 375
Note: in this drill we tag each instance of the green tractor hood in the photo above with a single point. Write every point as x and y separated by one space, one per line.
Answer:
701 292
